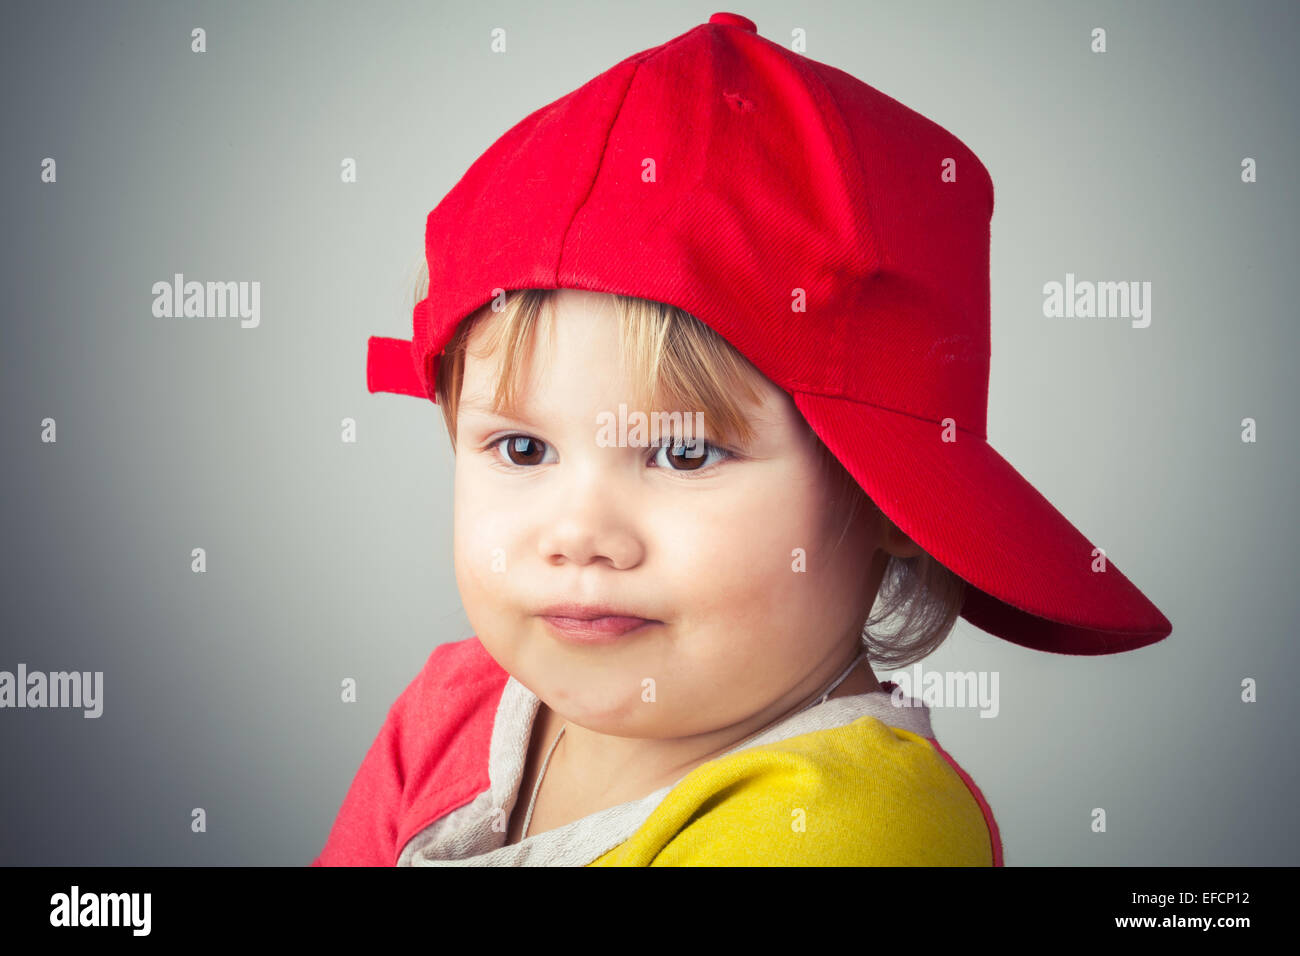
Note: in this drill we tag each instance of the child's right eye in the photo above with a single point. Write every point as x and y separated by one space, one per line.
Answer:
521 450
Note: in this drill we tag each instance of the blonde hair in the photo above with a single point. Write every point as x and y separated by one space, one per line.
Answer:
678 361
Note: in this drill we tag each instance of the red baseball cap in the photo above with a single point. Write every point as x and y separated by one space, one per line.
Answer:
837 239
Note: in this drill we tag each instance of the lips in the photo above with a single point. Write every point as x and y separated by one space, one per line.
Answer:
598 627
592 612
593 623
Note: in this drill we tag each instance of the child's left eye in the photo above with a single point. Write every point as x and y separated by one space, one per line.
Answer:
694 453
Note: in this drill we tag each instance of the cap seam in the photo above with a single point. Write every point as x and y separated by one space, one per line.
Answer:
875 242
600 164
637 59
806 389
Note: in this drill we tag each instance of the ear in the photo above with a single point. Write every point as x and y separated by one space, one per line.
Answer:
893 541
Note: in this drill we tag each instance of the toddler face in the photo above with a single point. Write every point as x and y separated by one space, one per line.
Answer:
704 548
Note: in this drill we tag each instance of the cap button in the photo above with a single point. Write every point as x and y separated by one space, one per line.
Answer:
734 20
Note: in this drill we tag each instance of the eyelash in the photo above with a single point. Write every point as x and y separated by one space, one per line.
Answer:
499 460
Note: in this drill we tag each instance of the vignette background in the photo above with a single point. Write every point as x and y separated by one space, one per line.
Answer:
329 560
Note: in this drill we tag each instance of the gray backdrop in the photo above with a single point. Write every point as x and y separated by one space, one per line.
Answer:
329 560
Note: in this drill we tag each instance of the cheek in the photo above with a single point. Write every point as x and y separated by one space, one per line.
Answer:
482 541
738 557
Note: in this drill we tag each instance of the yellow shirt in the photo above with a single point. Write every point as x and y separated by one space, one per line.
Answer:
863 794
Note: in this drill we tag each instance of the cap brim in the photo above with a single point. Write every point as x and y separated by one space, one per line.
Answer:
1029 570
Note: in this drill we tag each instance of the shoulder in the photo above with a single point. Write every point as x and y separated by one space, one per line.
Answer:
865 794
456 672
448 709
456 660
429 757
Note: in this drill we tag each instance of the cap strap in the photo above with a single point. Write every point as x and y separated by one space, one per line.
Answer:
389 367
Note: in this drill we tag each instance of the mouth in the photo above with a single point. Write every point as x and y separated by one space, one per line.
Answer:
590 623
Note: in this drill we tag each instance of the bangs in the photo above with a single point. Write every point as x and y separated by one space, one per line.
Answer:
676 363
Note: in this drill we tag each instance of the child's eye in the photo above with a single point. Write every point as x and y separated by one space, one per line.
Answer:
691 453
680 454
520 450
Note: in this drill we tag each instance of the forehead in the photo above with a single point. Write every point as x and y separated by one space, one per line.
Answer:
583 325
588 322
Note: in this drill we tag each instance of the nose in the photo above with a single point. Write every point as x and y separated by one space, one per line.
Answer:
592 531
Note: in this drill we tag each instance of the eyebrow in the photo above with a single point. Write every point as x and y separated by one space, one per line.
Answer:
476 404
484 406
